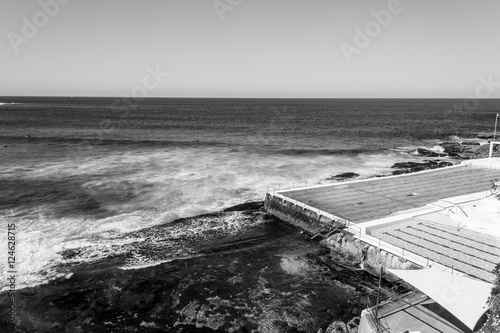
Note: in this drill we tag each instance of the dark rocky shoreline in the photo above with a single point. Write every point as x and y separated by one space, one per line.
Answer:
453 152
262 276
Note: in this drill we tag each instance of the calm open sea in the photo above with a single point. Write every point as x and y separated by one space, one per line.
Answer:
76 171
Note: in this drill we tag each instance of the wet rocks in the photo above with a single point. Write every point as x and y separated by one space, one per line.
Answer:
267 277
484 151
469 150
470 143
485 135
477 147
356 311
337 327
472 148
453 148
406 165
429 153
379 176
175 240
461 151
353 325
409 167
344 176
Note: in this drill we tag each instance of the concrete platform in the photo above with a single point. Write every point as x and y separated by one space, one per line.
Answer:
409 215
413 313
365 200
467 251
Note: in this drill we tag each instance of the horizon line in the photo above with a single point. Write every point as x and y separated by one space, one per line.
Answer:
225 97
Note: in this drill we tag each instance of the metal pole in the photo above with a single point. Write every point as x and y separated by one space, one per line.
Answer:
378 292
496 121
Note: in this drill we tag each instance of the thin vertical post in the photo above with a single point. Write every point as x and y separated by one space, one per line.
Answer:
306 183
378 292
495 133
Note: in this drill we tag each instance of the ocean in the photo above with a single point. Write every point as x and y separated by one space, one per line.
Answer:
79 168
80 173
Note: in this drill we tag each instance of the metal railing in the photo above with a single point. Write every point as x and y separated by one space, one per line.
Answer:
295 185
334 218
366 238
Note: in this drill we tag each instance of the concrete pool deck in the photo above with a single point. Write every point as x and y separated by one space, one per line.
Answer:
369 199
435 236
428 218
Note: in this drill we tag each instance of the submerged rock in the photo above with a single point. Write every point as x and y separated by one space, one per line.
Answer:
344 176
409 167
470 143
485 135
405 165
430 153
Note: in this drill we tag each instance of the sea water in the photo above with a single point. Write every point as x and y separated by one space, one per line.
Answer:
83 171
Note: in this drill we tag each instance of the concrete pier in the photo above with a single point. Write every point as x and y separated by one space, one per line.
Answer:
383 219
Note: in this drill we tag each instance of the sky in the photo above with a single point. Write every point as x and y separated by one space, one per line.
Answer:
250 48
